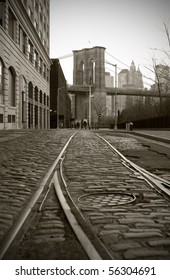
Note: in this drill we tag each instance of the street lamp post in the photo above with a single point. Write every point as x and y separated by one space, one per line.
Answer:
115 107
90 106
92 81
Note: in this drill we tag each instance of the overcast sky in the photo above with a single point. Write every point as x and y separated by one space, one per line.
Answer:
128 29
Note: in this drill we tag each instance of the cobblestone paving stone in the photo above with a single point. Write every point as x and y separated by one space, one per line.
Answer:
137 230
25 157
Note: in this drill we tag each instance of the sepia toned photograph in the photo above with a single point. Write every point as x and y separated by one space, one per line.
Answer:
85 132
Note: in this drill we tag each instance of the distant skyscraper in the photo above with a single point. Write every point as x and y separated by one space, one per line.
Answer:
123 78
130 78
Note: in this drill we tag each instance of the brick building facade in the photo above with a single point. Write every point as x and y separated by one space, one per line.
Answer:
24 64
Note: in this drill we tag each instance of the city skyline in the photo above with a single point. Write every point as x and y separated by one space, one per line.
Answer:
128 31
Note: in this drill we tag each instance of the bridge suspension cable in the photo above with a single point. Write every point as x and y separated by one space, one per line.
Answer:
65 56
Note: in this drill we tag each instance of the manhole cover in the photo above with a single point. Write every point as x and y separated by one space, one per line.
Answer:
106 199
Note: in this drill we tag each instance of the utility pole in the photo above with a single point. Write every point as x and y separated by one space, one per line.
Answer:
90 106
115 100
58 113
91 82
115 107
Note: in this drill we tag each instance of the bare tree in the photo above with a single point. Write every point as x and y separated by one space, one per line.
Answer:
161 69
99 106
166 29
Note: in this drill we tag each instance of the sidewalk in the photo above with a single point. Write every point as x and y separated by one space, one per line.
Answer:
158 135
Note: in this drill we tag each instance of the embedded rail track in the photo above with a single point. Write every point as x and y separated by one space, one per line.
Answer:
93 204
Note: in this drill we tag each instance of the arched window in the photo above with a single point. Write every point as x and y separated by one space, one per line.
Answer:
1 82
82 76
36 93
44 99
30 90
40 96
92 72
23 97
11 87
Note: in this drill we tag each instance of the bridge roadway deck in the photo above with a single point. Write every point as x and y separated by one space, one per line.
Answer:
136 230
80 89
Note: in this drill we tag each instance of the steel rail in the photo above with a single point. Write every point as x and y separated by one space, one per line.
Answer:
82 237
6 242
86 243
161 183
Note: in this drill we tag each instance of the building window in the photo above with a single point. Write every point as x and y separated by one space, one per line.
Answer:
36 117
36 59
47 75
30 51
11 25
40 96
40 35
11 87
1 118
40 65
13 118
35 24
22 40
2 12
1 82
36 94
44 99
44 71
45 27
9 118
30 13
30 90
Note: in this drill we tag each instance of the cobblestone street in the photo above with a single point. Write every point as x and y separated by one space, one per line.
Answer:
130 229
25 157
123 211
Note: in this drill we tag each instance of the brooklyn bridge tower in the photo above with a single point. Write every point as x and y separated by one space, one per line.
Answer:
89 70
